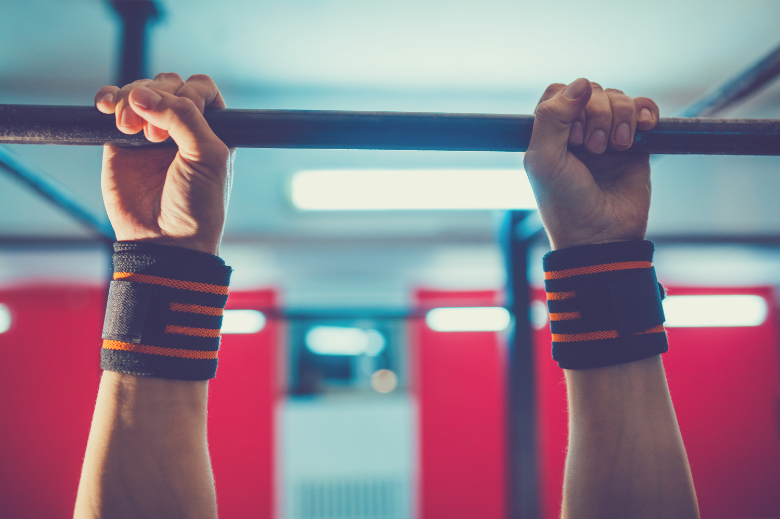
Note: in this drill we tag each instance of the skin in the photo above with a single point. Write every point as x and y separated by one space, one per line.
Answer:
147 454
626 457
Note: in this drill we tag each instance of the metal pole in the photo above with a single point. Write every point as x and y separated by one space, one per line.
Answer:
735 89
56 194
523 470
84 125
136 16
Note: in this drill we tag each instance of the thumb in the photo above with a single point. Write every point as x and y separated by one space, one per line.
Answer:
554 117
179 116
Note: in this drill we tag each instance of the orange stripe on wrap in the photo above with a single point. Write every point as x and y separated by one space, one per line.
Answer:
171 283
196 332
196 309
156 350
564 316
596 269
594 336
560 296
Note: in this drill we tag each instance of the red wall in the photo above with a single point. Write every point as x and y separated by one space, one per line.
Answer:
242 400
724 384
49 378
49 375
459 385
725 388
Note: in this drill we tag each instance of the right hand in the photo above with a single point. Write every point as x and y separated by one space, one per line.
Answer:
584 195
164 195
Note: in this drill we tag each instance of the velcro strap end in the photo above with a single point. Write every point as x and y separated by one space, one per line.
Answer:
636 300
128 305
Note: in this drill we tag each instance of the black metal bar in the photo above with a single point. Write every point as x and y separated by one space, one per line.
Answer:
735 89
136 15
523 470
55 193
83 125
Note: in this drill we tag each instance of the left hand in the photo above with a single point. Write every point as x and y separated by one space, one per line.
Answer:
164 195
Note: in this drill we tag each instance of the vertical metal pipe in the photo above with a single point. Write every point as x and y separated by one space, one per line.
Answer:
523 474
136 16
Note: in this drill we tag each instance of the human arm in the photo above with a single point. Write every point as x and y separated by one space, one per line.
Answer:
625 456
147 454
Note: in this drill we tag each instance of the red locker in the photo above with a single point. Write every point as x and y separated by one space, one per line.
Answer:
725 389
242 400
48 379
459 384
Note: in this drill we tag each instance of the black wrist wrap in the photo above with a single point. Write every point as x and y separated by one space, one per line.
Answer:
164 312
605 304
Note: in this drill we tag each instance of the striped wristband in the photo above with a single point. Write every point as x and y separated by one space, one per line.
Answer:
605 304
164 312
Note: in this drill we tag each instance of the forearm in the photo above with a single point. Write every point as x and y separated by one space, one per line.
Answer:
147 454
626 456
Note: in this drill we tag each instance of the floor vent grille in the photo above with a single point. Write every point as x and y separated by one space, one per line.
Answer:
364 498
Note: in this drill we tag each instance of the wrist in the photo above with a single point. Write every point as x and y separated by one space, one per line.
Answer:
605 304
205 246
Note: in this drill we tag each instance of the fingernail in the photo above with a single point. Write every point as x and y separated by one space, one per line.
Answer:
107 98
146 98
129 118
645 115
576 88
575 134
623 134
598 141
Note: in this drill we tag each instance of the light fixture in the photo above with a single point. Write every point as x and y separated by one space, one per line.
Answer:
468 319
5 318
343 340
714 311
384 381
411 189
242 321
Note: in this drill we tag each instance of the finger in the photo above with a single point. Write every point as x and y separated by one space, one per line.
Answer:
105 99
181 119
648 113
201 90
551 91
559 108
624 119
577 132
127 121
167 82
598 121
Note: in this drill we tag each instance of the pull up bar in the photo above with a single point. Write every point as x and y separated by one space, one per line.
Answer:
317 129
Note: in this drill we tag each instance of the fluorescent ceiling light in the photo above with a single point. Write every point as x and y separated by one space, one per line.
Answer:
477 319
714 311
408 189
342 340
242 321
5 318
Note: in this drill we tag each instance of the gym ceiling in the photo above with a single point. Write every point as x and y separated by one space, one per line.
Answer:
478 56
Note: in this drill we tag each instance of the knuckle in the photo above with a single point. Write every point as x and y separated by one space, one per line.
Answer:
203 78
554 88
595 86
546 111
599 113
614 91
167 75
183 106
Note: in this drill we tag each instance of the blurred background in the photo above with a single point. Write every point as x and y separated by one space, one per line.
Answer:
340 395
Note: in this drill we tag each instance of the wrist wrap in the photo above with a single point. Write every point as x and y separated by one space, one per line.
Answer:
164 312
605 304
